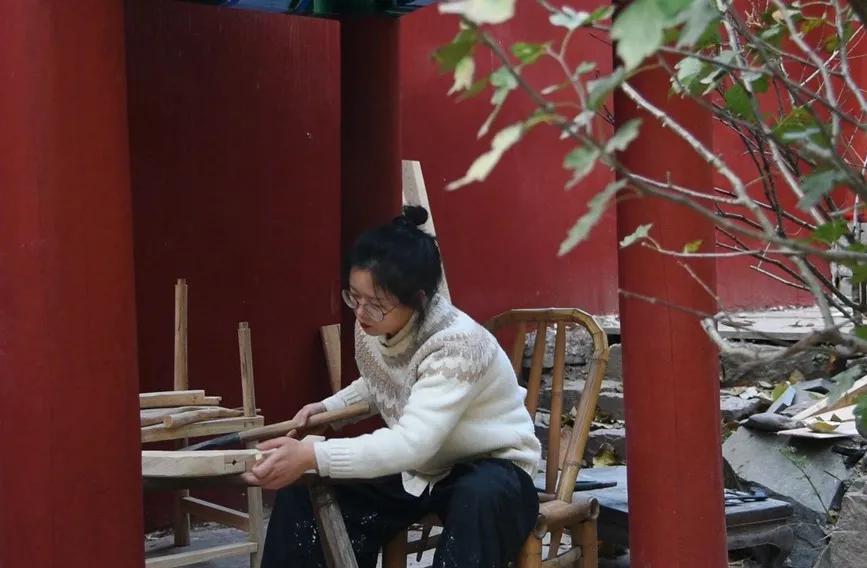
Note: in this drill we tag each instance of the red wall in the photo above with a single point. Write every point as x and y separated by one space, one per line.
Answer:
234 131
499 238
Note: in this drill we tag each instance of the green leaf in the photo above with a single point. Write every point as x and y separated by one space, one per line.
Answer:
692 246
830 232
690 71
504 81
774 34
601 13
448 56
638 31
860 332
529 52
700 24
739 102
580 161
484 164
599 89
463 75
540 117
585 67
481 11
843 382
817 185
672 8
758 81
799 126
832 43
477 87
569 18
595 208
859 273
640 233
624 135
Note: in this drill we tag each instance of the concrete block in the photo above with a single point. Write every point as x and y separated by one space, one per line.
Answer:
811 486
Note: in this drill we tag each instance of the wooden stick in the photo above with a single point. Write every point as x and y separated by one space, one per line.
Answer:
151 416
182 379
200 415
331 345
245 348
176 398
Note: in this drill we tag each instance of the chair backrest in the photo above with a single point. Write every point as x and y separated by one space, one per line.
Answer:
523 321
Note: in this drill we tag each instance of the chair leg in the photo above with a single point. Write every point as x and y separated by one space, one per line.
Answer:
394 551
584 535
531 553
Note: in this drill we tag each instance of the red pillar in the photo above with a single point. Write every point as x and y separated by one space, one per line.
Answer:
370 182
70 489
671 385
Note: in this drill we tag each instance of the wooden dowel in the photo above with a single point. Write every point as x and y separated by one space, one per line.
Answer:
556 409
518 348
534 385
245 349
181 372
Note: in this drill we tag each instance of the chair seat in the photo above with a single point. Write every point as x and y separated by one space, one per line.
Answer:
556 515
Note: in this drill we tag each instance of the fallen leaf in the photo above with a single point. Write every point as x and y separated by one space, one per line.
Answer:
605 457
822 426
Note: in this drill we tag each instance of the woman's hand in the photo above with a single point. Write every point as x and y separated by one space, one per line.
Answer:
304 415
289 460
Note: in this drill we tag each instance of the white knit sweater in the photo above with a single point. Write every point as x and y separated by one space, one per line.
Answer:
447 393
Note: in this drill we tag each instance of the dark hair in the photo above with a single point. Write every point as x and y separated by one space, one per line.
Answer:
403 259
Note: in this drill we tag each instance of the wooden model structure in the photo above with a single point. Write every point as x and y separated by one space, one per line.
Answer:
180 471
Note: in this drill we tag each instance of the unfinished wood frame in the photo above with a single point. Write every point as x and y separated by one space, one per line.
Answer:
253 520
561 509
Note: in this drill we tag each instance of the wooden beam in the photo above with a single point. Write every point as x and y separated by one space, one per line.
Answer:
335 540
192 416
151 416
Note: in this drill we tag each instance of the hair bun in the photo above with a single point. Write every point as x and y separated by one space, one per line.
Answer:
415 214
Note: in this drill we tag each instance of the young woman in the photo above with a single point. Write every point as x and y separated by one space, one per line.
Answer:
458 442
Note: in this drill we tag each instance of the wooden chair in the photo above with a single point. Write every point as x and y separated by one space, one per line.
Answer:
560 509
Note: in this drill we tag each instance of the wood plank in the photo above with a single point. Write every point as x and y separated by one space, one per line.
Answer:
159 432
824 405
167 463
845 430
415 193
193 556
213 512
164 399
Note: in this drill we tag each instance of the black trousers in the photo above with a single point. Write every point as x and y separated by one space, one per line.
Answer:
488 508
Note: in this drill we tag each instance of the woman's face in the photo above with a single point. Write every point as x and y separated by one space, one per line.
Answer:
372 299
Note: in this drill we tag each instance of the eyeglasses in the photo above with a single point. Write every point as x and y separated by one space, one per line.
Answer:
373 312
